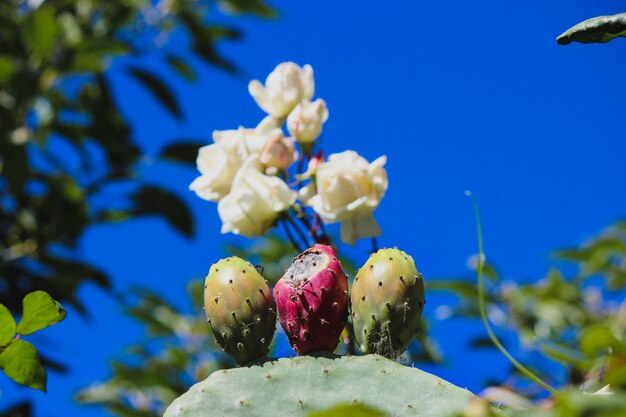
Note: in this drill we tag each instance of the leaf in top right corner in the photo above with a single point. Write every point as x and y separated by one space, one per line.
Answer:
599 29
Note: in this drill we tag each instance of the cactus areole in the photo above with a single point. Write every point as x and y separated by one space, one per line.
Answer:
387 303
312 300
240 309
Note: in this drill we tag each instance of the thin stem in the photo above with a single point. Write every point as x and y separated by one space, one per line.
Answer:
291 237
481 306
299 231
320 222
304 155
374 245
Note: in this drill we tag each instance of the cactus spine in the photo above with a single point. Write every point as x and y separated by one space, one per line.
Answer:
240 309
387 302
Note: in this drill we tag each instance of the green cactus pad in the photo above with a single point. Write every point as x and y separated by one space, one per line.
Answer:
387 303
305 384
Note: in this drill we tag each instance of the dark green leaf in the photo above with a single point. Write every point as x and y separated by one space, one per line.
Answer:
204 37
616 375
156 200
463 289
7 326
21 363
564 355
195 289
185 152
40 30
40 311
181 67
89 55
114 215
573 255
103 46
596 339
481 343
257 7
599 29
22 409
7 68
158 88
349 410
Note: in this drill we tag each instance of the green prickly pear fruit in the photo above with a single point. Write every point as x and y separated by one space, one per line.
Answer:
240 309
387 303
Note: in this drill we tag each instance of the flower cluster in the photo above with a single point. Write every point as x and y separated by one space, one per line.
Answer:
246 170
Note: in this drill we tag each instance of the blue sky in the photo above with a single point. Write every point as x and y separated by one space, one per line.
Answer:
459 95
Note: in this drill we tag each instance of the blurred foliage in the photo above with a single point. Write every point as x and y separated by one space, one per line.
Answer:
178 350
19 359
63 139
64 142
576 321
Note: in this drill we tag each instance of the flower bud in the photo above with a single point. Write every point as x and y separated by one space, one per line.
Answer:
305 121
279 152
285 87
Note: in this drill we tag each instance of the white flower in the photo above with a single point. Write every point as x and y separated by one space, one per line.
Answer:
348 190
279 152
219 162
268 124
254 202
285 87
305 121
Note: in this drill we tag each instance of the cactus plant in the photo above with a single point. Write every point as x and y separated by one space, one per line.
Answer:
301 385
240 309
312 300
387 302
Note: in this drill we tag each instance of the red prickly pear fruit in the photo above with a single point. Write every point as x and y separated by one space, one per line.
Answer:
240 309
312 300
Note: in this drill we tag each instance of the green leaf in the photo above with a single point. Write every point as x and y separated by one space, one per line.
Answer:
7 326
21 409
349 410
39 31
20 362
7 68
90 55
596 339
184 152
599 29
158 88
181 67
256 7
103 46
157 200
40 311
204 37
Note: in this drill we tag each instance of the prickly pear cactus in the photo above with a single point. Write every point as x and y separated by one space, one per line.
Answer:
240 309
304 384
312 300
387 302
